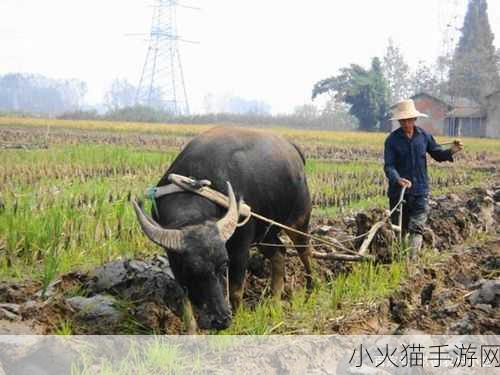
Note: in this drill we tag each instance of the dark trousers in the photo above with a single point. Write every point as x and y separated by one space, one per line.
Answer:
415 212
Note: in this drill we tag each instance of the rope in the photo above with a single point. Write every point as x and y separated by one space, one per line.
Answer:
244 222
320 239
152 191
151 194
400 202
286 227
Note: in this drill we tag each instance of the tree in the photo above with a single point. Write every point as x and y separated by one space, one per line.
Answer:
306 111
380 90
396 73
424 79
498 59
227 103
442 72
31 93
474 70
121 94
364 90
209 103
336 114
247 106
74 91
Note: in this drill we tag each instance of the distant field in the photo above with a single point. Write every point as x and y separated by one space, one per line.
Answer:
64 195
365 140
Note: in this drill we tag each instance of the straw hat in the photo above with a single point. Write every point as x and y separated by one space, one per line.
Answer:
406 109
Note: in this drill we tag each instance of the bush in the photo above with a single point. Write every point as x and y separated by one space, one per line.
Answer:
330 121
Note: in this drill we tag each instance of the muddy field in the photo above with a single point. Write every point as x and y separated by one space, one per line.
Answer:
453 288
73 260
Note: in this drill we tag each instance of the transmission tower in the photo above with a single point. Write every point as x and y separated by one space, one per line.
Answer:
162 79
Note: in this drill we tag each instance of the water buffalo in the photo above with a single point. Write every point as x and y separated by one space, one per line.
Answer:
201 238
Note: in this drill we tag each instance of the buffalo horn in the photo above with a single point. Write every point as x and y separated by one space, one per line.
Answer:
170 239
227 225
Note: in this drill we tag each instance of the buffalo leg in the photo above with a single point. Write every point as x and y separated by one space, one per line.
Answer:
303 248
276 253
237 275
238 248
302 244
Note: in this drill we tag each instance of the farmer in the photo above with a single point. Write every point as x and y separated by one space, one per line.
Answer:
405 165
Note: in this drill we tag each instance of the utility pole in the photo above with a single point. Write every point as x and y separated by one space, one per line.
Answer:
162 80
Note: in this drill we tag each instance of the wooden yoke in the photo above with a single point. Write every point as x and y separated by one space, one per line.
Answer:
199 187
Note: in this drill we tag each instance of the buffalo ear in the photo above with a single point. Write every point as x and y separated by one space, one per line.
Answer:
227 225
170 239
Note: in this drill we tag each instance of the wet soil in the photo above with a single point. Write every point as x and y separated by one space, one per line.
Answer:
443 297
457 293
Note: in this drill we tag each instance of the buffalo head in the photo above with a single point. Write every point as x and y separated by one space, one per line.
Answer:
199 260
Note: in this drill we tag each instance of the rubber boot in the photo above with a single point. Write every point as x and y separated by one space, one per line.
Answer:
415 244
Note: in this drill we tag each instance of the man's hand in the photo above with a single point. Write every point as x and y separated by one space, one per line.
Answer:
456 146
403 182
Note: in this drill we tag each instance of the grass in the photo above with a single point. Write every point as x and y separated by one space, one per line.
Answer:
60 206
156 355
366 284
68 207
50 270
77 230
312 314
65 328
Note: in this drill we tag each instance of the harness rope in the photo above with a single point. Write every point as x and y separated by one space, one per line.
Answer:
151 194
183 183
320 239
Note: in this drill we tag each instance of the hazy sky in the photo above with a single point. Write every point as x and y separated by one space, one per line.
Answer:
270 50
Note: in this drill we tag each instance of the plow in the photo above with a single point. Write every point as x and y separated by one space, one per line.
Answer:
338 249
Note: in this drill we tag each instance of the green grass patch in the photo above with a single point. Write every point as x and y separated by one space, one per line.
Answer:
310 314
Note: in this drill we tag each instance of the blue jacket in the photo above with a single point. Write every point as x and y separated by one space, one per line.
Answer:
406 158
